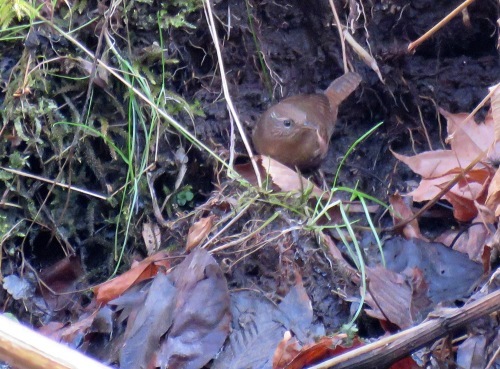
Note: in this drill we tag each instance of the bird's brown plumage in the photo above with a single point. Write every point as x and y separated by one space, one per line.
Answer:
297 130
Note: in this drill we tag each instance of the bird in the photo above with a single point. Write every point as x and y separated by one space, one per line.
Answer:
297 130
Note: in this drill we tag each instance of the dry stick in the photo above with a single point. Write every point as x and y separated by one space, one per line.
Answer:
24 348
53 182
341 35
363 54
413 45
230 106
387 350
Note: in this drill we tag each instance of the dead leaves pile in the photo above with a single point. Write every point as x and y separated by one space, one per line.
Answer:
469 142
183 317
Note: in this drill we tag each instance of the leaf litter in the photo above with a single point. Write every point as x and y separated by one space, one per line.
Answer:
188 308
152 296
468 140
184 317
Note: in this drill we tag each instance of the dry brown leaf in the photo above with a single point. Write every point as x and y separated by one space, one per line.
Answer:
495 110
493 198
145 269
199 231
402 211
151 236
431 164
279 176
468 140
390 297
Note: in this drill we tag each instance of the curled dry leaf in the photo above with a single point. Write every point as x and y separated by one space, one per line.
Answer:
278 176
151 236
468 140
495 109
402 211
493 199
199 231
147 268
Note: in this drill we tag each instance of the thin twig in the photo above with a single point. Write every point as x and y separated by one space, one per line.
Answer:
227 96
63 185
341 35
413 45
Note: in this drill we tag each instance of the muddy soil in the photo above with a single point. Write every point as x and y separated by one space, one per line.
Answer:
302 54
271 50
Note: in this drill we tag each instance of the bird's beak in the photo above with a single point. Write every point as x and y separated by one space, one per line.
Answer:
310 125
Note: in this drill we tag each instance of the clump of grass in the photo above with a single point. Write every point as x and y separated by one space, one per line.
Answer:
12 10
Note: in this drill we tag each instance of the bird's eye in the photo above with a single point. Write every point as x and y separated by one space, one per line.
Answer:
287 123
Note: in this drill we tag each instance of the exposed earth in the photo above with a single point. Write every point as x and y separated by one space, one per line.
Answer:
271 50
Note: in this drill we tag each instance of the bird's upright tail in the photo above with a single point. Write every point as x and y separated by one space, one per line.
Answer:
342 87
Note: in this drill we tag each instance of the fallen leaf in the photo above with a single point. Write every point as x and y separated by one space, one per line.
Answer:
450 274
294 356
467 140
153 320
493 198
199 231
58 280
390 297
18 288
258 327
472 353
201 316
151 236
471 241
402 211
255 332
288 348
278 176
145 269
74 334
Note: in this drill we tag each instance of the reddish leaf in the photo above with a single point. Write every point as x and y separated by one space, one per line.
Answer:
325 348
288 348
72 334
199 231
61 278
438 168
145 269
405 363
402 211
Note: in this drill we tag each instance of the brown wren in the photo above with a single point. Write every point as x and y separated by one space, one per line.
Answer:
297 130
